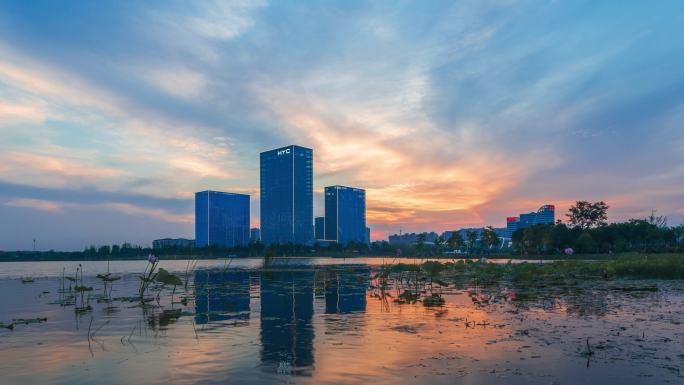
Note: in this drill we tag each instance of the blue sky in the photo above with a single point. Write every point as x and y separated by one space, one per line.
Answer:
449 113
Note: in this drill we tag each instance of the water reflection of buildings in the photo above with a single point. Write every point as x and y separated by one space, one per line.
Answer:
221 296
287 308
345 290
286 320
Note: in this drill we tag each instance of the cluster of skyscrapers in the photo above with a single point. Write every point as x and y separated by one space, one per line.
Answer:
286 198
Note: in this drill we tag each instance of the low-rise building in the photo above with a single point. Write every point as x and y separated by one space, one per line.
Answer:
173 242
411 238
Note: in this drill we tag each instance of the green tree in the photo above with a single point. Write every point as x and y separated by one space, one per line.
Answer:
471 237
489 237
585 242
420 239
678 234
439 242
518 240
560 236
455 241
659 221
103 250
587 215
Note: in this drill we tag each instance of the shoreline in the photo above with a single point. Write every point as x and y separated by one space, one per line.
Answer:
578 257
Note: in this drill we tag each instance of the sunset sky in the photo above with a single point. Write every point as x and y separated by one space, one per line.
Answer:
449 113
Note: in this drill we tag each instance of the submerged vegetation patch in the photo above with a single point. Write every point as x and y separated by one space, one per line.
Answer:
661 266
424 282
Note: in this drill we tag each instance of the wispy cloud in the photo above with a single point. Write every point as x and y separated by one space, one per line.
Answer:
36 204
126 208
449 114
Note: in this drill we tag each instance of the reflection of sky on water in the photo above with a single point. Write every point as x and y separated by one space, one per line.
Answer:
324 325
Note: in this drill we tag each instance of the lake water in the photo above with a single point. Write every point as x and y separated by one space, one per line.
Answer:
328 321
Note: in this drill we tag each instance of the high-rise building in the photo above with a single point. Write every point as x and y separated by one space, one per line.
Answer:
319 228
255 234
512 224
286 185
345 214
221 219
546 215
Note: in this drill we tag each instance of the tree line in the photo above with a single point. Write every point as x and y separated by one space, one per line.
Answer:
588 231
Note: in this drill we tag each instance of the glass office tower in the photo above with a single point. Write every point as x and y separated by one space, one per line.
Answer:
221 219
319 228
345 214
546 215
286 186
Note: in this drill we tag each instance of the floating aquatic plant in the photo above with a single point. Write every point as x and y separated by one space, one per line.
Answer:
189 269
433 300
166 278
27 321
149 275
82 306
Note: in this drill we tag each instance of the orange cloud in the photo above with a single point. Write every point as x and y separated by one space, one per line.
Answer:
417 177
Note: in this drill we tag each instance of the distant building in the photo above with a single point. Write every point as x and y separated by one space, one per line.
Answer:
319 228
286 187
255 234
447 234
345 214
499 231
411 238
221 218
512 224
173 242
546 215
368 235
